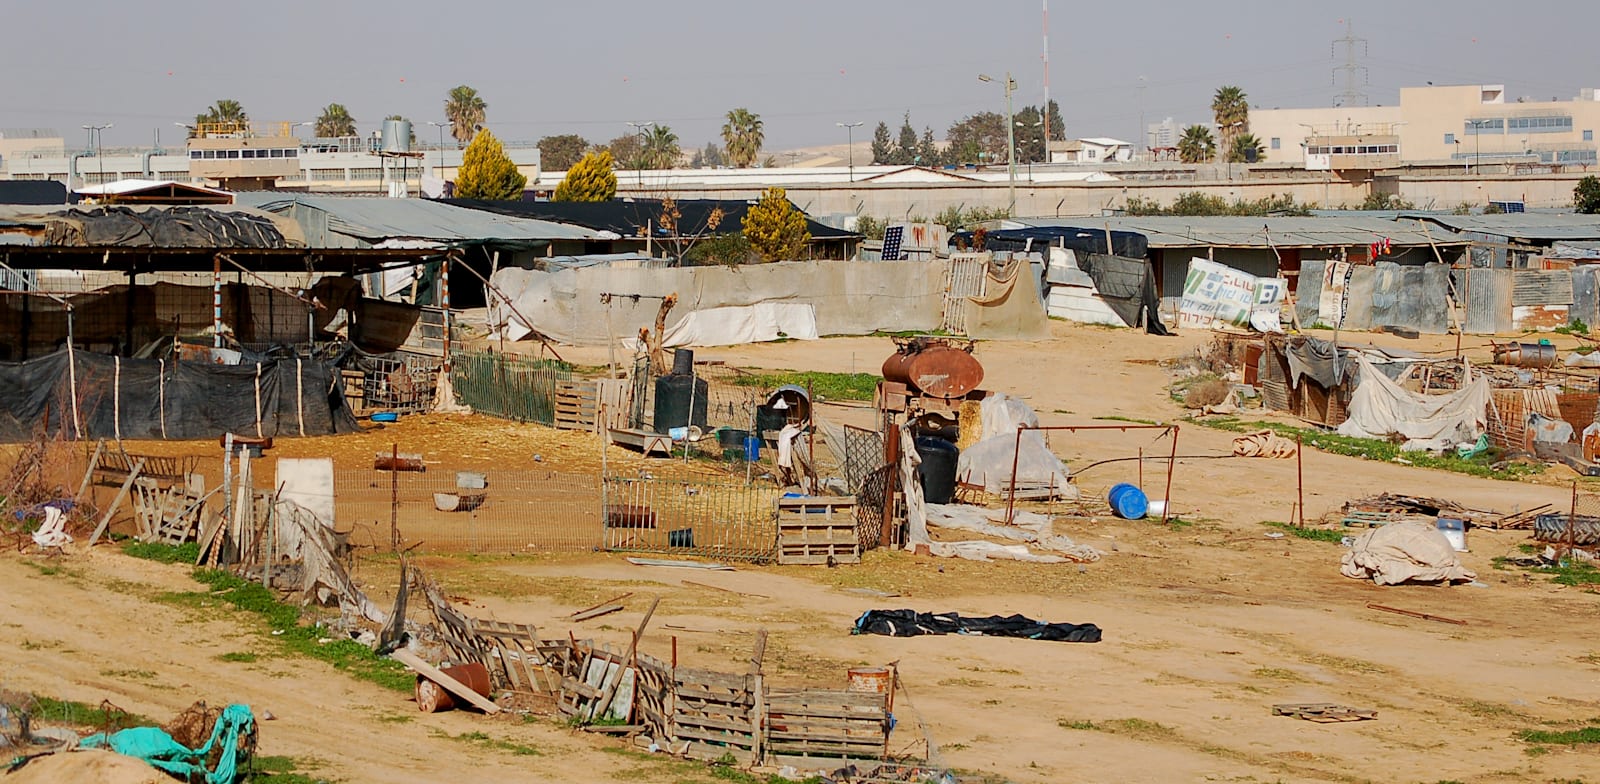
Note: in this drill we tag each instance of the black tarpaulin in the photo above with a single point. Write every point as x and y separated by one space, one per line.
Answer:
910 623
123 398
1128 287
173 227
1127 244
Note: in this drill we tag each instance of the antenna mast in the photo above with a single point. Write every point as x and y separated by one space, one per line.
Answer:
1046 33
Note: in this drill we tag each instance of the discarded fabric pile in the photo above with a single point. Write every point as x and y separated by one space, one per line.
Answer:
910 623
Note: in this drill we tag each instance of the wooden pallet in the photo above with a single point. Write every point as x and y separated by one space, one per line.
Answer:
577 404
1323 712
817 530
820 728
1358 519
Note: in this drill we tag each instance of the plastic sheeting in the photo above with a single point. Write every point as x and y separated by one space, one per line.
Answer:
849 298
1358 296
758 323
155 746
988 462
1412 551
1010 308
1380 407
97 396
1218 294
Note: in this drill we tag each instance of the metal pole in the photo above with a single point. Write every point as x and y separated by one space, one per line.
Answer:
216 301
1300 476
1011 495
891 454
1172 462
1011 149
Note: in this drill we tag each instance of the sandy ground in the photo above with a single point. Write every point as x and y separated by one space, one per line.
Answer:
1206 625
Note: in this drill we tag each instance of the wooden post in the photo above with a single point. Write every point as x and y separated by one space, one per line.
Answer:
891 454
1300 476
88 474
1172 462
105 520
758 695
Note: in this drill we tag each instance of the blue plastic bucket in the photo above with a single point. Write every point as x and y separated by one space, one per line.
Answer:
752 448
1128 501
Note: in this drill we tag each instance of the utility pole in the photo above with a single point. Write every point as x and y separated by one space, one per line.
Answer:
1011 142
441 127
850 145
94 135
638 165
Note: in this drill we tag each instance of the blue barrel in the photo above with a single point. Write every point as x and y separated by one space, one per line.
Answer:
1128 501
752 448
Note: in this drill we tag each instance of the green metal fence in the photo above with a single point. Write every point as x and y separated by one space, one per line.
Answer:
508 386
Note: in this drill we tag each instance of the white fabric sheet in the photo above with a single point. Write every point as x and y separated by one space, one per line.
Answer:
1381 407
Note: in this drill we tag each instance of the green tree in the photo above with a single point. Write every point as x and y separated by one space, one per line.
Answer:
486 171
1030 135
928 150
776 230
882 148
906 151
558 153
592 178
979 138
1197 145
334 121
709 158
1231 111
224 111
464 108
624 150
660 150
742 136
1245 147
1385 201
401 118
1058 127
1586 197
730 248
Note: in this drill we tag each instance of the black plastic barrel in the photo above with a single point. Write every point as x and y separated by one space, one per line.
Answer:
672 401
937 473
682 362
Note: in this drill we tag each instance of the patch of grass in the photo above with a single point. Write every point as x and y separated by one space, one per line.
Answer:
239 657
483 740
279 770
1575 573
1136 728
1276 673
1333 535
1075 724
825 385
1484 465
82 714
1536 751
1132 420
283 620
133 675
186 553
1577 737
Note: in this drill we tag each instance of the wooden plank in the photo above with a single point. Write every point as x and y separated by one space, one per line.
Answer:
710 752
740 725
737 739
707 678
596 612
105 520
450 684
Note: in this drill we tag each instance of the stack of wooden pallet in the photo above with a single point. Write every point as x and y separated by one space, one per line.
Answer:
818 530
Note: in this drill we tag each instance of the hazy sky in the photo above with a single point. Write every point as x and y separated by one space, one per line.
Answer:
589 67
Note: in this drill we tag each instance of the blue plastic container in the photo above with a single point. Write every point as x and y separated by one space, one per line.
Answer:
386 416
1128 501
752 448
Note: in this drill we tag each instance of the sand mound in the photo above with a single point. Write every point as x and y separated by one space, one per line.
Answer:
87 767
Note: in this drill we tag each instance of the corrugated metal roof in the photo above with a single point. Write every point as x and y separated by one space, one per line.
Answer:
1259 232
375 221
1533 226
134 185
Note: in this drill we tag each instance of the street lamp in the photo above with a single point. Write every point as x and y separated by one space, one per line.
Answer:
1144 134
1037 126
638 164
441 127
850 145
1227 153
94 136
1477 144
1011 141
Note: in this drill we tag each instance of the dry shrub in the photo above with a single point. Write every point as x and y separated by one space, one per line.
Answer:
1207 393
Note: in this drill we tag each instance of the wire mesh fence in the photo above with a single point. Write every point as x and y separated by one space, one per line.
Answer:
514 511
725 520
506 386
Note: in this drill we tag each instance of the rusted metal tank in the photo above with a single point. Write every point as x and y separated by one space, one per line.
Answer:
935 370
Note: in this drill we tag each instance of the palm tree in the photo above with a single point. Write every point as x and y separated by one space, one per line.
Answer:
661 150
334 122
742 136
1231 111
225 110
1197 145
464 109
1244 146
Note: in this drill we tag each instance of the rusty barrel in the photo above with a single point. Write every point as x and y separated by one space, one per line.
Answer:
432 698
873 680
941 371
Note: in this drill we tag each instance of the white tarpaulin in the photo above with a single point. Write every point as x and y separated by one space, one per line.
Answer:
759 323
1411 551
845 297
1216 294
988 462
1380 408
